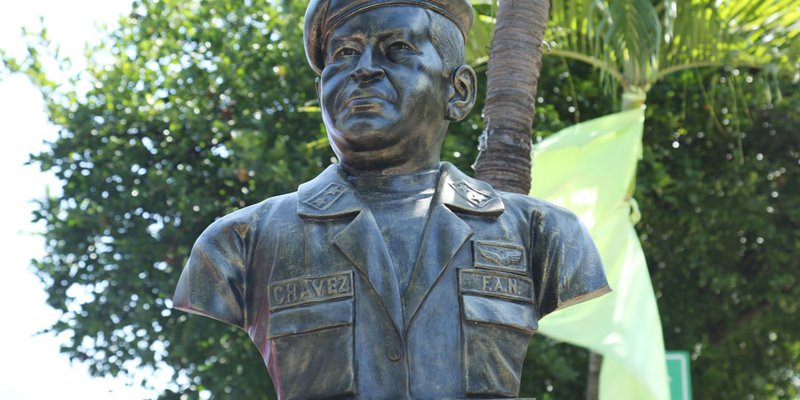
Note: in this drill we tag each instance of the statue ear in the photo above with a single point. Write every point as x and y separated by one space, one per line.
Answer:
316 84
464 88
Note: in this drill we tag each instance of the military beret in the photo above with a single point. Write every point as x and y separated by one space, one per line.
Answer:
323 16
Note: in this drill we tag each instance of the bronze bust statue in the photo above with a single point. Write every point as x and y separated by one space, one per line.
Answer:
391 274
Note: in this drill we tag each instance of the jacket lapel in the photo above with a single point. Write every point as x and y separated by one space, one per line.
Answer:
331 196
361 241
445 232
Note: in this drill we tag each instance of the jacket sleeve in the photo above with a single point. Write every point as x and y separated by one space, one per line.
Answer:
565 262
212 282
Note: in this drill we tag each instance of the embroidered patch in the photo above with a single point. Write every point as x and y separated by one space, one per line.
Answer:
476 197
327 196
495 284
298 291
500 255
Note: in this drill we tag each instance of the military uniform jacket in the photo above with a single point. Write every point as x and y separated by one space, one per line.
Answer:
309 277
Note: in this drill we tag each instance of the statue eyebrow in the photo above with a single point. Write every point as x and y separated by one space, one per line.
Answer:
396 32
405 33
357 38
400 34
338 41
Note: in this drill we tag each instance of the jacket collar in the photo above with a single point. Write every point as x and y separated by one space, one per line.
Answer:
330 195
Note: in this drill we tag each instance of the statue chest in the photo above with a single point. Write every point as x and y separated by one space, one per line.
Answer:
336 323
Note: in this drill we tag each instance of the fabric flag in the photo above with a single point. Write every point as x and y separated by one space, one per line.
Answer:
590 168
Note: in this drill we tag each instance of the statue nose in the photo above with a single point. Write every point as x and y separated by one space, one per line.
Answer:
367 70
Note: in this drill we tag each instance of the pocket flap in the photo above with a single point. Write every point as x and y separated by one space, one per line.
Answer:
292 321
497 311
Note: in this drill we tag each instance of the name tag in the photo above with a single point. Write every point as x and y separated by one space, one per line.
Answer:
499 255
495 284
298 291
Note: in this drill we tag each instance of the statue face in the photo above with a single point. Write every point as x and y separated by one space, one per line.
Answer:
384 91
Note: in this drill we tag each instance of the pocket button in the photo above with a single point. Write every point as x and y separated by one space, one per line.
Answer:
394 354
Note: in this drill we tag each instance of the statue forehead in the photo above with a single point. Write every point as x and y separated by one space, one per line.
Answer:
324 16
383 22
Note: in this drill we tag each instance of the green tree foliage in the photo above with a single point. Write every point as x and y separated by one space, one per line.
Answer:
196 108
721 230
720 227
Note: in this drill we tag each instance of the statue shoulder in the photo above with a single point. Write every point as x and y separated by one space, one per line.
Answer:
564 259
212 282
252 218
540 211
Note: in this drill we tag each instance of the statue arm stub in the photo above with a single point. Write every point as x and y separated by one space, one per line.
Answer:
565 261
212 283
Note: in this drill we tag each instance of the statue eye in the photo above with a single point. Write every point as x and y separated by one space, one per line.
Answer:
400 46
345 52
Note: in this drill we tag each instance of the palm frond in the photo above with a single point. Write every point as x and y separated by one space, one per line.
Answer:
738 33
636 42
623 35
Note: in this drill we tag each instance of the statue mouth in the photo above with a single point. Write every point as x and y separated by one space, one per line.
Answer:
359 99
365 104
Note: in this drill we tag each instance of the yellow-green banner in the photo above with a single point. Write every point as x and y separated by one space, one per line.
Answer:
590 168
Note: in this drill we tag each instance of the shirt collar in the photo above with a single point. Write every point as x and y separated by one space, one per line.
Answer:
330 195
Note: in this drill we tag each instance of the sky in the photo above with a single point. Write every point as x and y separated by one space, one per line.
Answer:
32 367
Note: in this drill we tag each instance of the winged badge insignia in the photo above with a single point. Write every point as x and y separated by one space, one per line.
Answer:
508 257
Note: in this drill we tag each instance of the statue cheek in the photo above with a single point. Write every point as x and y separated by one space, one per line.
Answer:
333 75
331 93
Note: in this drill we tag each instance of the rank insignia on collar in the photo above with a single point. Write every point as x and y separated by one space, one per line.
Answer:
327 196
476 197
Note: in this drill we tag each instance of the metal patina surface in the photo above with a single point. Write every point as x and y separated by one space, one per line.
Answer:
391 274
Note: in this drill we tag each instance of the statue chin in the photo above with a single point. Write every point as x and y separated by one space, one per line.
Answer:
366 131
365 135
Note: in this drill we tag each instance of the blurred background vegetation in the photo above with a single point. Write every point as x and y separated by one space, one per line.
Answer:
197 108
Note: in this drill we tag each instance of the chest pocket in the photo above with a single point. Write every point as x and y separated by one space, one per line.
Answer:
311 329
498 321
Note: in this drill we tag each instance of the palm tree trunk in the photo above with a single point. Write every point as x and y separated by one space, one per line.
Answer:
515 60
593 380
